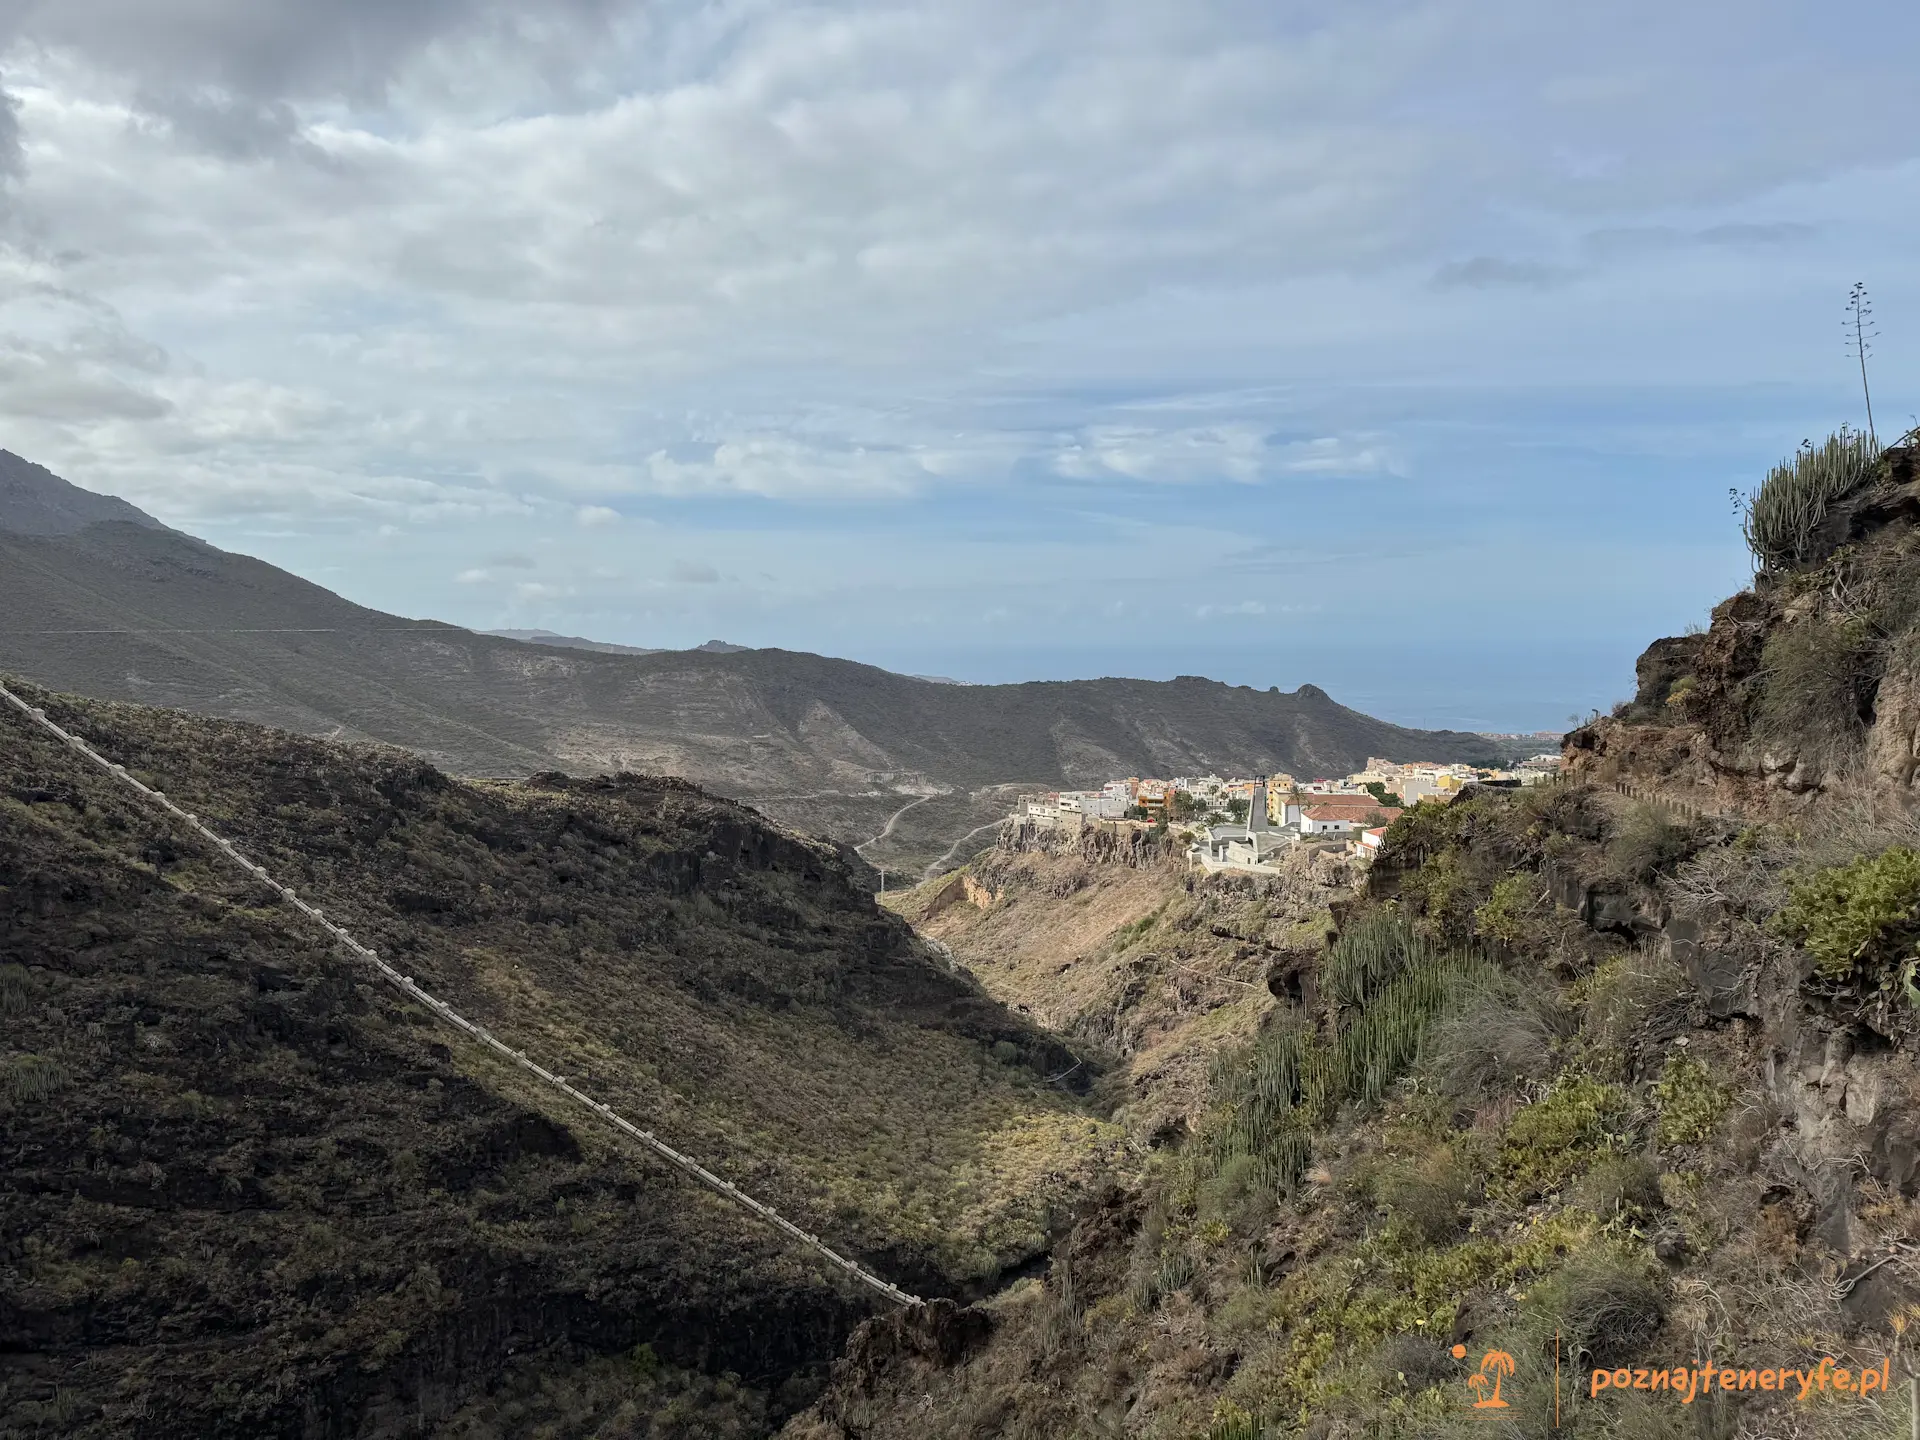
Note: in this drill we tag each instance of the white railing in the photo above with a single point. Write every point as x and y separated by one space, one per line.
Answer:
405 984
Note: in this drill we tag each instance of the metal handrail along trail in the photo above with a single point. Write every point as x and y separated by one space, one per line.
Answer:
406 985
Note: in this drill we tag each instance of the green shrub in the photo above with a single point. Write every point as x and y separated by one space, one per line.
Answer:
1059 1320
1425 1197
1855 914
1257 1132
15 990
1504 916
1607 1304
1648 842
1171 1272
1494 1036
1619 1186
1420 828
32 1079
1238 1427
1690 1101
1554 1138
1785 514
1817 676
1629 999
1892 575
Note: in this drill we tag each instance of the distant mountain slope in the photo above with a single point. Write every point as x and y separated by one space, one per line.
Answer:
571 642
35 501
124 608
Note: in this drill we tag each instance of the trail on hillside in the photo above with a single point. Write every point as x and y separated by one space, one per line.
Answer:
932 871
893 819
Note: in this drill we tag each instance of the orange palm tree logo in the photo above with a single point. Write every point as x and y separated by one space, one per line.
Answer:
1494 1367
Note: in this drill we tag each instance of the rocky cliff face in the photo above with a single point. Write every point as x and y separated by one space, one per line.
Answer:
251 1193
1807 683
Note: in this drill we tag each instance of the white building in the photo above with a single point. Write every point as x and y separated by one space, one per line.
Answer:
1332 787
1327 821
1369 843
1415 788
1253 844
1092 804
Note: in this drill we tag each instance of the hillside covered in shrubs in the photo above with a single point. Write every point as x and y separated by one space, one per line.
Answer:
250 1192
1614 1076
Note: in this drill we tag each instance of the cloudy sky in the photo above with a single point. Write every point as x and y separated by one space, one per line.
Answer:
1410 349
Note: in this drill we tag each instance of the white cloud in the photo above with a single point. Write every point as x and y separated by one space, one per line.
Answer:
1243 607
1241 453
785 468
1138 453
1336 455
455 270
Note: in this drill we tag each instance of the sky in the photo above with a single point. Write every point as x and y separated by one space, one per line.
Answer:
1413 350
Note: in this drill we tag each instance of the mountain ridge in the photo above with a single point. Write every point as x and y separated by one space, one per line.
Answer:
124 608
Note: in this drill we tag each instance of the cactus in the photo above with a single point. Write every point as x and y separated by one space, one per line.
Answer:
1785 514
1378 1045
1269 1095
1370 954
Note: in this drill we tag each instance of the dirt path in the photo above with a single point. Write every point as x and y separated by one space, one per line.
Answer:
954 849
891 820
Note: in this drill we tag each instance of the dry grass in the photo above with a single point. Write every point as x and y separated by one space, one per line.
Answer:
1499 1035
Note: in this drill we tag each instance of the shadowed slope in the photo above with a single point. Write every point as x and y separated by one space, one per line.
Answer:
259 1187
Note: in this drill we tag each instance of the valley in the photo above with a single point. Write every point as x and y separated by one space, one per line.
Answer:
1599 1075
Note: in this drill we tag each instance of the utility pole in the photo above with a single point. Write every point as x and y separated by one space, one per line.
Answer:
883 879
1860 336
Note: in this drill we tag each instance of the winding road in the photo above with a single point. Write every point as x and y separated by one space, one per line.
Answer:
954 849
887 829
